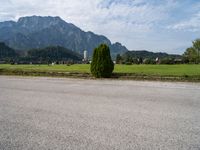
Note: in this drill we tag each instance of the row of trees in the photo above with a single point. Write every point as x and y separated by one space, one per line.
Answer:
139 60
191 55
128 60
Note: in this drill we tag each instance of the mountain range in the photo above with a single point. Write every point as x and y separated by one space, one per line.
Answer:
39 32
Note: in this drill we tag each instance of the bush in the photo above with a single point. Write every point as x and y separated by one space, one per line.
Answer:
102 65
149 61
128 63
167 61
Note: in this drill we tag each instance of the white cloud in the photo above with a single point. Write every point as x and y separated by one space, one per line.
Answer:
192 24
131 15
135 12
135 23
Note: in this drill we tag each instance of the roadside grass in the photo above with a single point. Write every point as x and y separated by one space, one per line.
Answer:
188 72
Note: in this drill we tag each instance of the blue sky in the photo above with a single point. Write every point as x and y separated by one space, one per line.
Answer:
155 25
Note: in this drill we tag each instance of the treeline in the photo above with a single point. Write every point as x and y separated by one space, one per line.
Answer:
146 57
62 55
45 55
52 54
190 56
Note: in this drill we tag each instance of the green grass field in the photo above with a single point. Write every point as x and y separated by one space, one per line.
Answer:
161 70
56 68
143 70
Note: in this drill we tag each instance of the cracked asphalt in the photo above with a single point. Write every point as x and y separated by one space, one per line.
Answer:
56 113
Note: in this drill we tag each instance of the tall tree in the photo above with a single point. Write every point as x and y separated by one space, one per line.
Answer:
196 46
190 55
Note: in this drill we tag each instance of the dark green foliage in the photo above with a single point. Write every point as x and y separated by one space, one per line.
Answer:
53 53
196 46
146 57
45 55
135 61
192 54
128 63
168 61
149 61
102 65
7 54
119 59
140 60
128 59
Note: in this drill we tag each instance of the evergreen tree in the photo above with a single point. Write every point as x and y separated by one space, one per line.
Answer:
102 65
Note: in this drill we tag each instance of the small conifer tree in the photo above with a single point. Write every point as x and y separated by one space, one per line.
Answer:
102 65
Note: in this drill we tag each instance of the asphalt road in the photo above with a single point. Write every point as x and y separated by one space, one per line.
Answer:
50 113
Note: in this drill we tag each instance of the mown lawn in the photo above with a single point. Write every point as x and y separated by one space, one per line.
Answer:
155 70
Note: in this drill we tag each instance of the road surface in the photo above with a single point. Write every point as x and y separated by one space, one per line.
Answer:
51 113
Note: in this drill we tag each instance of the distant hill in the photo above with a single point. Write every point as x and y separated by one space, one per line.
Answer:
43 55
6 52
39 32
53 53
146 54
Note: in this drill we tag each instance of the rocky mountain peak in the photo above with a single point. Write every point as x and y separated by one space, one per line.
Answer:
37 22
38 32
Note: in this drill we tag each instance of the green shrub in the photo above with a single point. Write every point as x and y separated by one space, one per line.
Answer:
149 61
128 63
167 61
102 65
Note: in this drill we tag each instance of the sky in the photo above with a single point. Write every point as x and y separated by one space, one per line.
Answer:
155 25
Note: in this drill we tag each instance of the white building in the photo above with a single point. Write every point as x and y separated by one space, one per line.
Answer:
85 55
